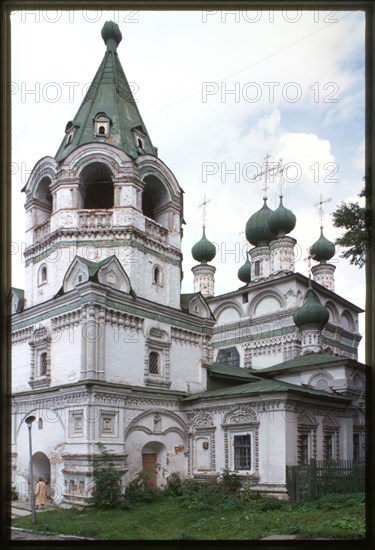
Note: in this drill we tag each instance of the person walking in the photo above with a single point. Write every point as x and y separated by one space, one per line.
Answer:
40 493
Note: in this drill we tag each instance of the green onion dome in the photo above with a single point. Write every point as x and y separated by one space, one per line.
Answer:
312 314
282 220
244 274
323 249
204 251
257 230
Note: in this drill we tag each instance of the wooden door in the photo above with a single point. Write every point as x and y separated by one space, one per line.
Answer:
149 465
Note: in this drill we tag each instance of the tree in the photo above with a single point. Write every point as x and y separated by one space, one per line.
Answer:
355 219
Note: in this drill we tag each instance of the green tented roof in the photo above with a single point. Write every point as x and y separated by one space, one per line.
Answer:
264 387
109 94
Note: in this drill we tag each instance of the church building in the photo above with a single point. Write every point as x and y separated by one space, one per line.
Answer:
106 349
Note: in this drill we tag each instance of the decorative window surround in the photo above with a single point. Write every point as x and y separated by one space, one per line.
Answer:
331 439
157 359
102 124
306 426
242 422
40 344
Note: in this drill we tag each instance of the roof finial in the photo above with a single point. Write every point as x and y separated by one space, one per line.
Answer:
320 211
280 171
268 170
204 211
111 35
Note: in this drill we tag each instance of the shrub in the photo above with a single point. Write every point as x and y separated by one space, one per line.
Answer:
108 490
138 490
230 481
175 485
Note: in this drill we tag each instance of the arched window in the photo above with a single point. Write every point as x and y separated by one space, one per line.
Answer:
42 275
140 143
158 276
153 363
101 124
229 356
40 424
43 364
257 268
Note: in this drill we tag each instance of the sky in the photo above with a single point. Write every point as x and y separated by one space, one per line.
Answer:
218 91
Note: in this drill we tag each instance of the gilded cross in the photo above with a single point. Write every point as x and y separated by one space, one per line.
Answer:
204 209
267 170
321 211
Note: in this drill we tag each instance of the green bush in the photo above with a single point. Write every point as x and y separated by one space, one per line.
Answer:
108 489
138 490
175 485
230 481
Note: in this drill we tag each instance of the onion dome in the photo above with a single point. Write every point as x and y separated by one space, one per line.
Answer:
282 220
204 250
257 230
111 35
323 249
244 274
312 314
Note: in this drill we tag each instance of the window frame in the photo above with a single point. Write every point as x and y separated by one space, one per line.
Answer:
42 275
238 450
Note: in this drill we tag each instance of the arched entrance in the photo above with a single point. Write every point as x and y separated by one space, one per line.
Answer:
42 468
154 461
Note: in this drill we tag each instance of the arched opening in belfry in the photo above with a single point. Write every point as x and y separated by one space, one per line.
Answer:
44 196
97 186
154 198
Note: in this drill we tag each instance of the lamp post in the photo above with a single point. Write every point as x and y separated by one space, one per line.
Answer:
29 420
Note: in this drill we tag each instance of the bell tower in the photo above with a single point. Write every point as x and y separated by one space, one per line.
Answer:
105 193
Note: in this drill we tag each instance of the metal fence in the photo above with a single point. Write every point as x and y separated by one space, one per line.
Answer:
319 478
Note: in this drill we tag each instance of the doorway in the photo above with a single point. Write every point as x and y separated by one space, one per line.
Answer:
149 465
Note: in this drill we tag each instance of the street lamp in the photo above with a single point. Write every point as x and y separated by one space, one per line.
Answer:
29 420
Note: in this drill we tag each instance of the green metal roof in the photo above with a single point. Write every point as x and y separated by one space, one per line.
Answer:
264 387
221 369
109 94
311 359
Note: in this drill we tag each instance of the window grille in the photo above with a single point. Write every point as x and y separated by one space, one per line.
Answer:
43 364
304 449
229 356
153 363
242 452
329 447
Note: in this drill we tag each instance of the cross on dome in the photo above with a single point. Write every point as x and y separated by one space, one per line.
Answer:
204 209
320 210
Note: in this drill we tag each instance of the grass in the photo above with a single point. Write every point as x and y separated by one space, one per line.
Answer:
230 518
